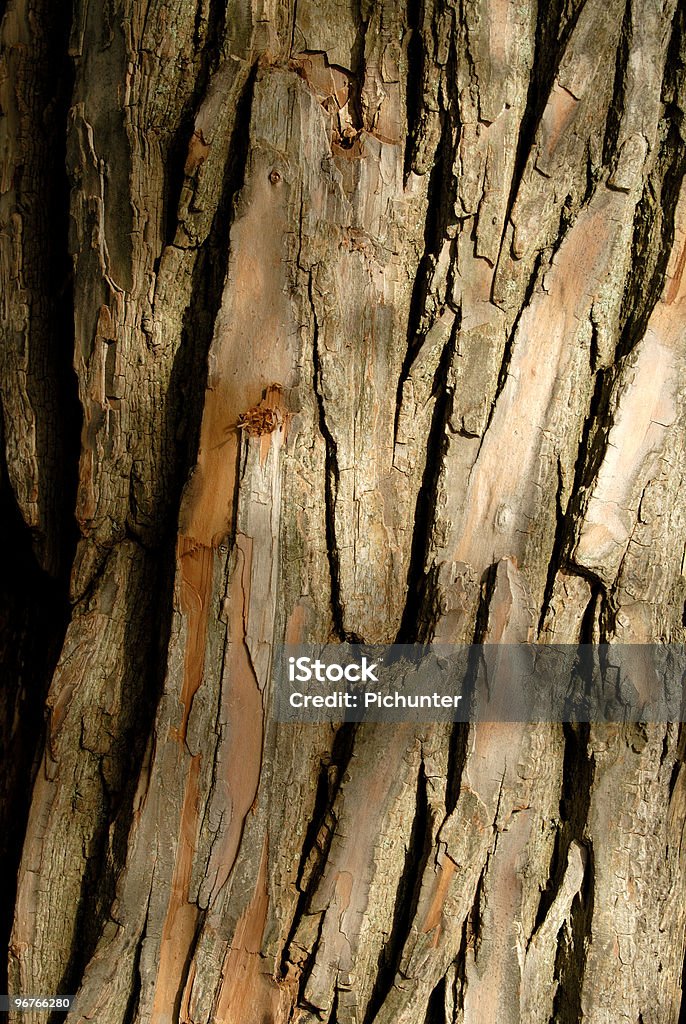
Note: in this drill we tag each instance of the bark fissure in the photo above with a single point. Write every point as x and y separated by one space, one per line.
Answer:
406 899
552 34
506 359
416 58
617 105
420 591
319 835
440 213
207 46
32 604
558 549
435 1010
647 277
332 482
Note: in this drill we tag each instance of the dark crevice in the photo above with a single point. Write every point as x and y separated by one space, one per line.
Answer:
435 1010
577 778
416 58
594 175
357 54
331 485
488 581
593 347
655 212
144 645
557 549
441 201
418 322
679 760
333 1016
554 25
32 605
43 197
43 203
594 435
570 963
617 104
418 615
406 899
294 25
460 731
457 756
177 150
332 772
320 830
460 970
587 628
473 923
440 215
509 342
590 454
569 211
211 46
443 185
131 1011
302 1001
575 800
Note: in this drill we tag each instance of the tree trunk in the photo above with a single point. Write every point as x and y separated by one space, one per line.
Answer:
376 314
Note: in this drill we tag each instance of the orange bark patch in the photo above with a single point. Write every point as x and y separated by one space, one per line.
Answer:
198 151
195 565
195 561
251 349
295 626
435 911
675 270
242 710
674 290
246 993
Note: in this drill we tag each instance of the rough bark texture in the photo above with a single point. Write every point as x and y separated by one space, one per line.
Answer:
337 321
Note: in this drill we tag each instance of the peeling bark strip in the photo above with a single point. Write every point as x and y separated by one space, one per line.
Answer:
378 331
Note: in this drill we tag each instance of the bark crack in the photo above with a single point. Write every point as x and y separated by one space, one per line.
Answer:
406 898
332 480
420 587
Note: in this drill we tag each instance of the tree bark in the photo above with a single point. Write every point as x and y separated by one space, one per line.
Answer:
328 322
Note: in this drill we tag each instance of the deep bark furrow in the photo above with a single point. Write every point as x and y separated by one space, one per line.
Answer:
37 385
331 488
406 898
